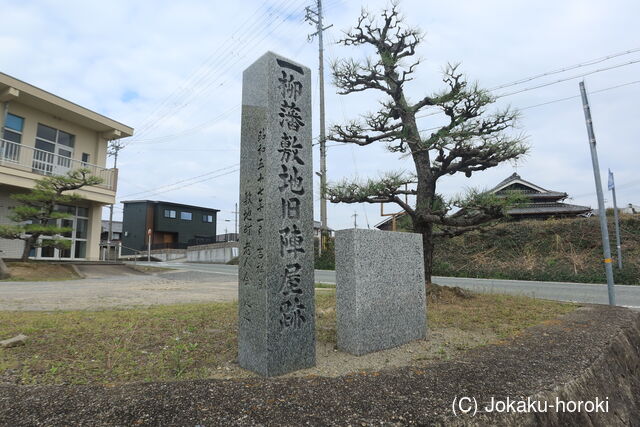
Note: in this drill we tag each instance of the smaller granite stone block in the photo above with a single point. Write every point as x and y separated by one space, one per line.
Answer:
380 290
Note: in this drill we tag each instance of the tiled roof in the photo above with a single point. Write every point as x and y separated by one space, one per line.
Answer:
549 208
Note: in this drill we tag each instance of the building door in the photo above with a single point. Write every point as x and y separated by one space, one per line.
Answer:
78 222
54 151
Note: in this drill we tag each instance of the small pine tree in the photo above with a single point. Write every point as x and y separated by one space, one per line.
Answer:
36 215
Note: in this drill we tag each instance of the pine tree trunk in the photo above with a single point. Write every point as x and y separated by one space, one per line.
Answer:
28 244
426 229
427 247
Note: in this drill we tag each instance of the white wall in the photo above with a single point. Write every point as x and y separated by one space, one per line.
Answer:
217 253
167 254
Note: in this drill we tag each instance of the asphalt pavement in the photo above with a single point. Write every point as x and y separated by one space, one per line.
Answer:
628 296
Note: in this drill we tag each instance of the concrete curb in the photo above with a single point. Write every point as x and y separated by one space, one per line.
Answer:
4 271
77 271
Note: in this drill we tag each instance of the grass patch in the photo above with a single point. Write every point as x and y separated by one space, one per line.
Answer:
190 341
40 271
503 315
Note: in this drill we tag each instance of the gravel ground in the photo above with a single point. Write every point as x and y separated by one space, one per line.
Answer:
542 358
123 290
330 362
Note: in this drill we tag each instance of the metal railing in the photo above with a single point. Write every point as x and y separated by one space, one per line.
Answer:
42 162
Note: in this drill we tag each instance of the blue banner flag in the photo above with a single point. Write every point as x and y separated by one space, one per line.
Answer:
611 183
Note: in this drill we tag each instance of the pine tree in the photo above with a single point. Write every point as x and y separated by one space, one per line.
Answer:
36 215
472 140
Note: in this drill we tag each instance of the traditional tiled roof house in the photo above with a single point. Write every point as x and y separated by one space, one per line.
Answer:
543 203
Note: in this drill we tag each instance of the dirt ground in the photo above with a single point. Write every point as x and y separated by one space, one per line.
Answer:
439 345
547 361
26 271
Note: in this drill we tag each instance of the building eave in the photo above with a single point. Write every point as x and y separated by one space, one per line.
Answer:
32 96
157 202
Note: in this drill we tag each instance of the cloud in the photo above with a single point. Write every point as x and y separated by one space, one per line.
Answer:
173 71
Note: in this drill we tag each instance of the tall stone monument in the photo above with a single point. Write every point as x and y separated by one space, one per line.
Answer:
276 285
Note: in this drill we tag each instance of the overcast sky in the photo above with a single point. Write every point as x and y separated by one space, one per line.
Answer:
172 70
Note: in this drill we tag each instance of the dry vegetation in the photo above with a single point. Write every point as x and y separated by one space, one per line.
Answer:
199 340
40 271
553 250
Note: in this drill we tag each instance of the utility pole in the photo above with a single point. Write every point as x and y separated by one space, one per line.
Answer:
355 219
612 187
315 17
235 214
114 148
602 213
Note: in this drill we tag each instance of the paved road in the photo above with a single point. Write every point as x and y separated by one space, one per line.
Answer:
628 296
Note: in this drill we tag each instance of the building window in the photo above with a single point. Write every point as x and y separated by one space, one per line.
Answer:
80 249
207 218
84 212
54 150
186 216
169 213
78 222
12 135
85 158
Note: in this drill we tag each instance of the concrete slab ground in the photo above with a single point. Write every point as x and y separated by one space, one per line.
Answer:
96 271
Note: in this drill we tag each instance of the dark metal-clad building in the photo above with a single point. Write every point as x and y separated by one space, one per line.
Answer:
172 225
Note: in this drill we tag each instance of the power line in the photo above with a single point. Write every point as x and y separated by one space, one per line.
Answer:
181 181
578 96
246 45
527 79
192 129
190 179
557 100
202 78
618 186
193 183
204 124
189 130
191 80
569 78
213 62
568 68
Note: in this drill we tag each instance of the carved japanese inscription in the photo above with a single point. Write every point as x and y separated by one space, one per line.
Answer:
276 300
